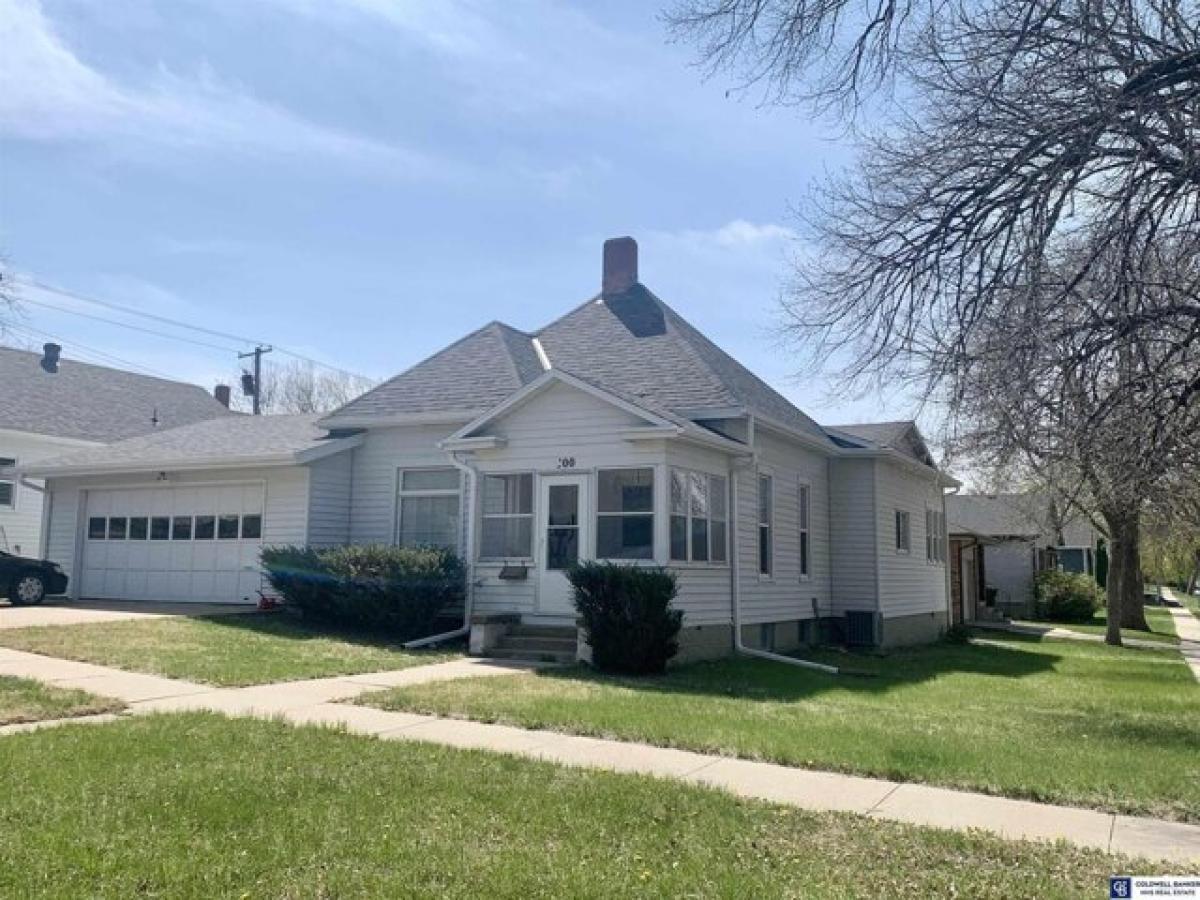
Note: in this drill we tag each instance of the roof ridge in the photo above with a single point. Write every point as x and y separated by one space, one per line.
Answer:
91 365
497 326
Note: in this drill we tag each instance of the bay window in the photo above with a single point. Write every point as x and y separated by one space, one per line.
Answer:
625 514
428 502
507 529
698 517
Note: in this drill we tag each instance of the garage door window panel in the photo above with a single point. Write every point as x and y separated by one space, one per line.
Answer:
118 527
139 528
206 528
227 527
252 527
97 528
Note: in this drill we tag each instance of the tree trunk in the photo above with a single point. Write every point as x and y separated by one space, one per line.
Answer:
1131 586
1191 582
1112 592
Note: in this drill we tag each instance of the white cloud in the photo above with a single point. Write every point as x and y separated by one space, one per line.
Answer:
50 94
736 238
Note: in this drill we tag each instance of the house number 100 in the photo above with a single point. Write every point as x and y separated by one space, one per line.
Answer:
566 462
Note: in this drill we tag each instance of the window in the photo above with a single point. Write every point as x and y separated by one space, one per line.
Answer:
181 528
428 508
160 528
252 527
97 528
8 486
698 517
139 528
803 513
206 528
903 538
227 527
625 514
935 536
766 520
118 527
507 530
562 526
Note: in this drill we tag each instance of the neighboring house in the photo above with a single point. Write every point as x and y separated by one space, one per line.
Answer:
616 432
999 542
44 414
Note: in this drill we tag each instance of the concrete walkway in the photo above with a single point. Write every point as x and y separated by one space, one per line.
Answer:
63 612
1187 626
311 702
1066 634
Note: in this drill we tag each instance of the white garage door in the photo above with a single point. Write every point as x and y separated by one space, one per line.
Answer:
173 543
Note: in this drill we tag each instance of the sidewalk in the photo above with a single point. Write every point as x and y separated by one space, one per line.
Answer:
1188 628
311 702
1066 634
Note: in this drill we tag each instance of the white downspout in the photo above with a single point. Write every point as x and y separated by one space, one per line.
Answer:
468 558
735 591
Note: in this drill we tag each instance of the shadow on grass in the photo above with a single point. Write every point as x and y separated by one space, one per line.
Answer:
762 680
284 624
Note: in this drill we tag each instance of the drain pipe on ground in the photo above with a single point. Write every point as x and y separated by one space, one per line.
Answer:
735 592
468 557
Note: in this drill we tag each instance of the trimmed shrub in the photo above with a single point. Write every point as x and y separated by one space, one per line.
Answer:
627 616
1066 597
396 591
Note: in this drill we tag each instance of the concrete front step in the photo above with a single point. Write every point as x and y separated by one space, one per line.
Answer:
553 644
562 632
552 656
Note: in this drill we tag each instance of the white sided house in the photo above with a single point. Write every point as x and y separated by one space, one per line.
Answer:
617 432
59 408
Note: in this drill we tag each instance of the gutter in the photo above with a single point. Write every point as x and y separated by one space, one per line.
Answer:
735 590
469 557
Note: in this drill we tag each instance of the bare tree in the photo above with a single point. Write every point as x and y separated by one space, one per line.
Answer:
1019 235
300 387
8 299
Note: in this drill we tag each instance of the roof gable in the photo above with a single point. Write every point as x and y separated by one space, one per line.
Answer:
903 436
94 403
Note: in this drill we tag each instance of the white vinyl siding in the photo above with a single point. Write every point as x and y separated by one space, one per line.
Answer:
908 585
21 520
854 536
329 501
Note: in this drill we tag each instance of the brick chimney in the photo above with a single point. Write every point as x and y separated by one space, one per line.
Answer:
620 265
221 392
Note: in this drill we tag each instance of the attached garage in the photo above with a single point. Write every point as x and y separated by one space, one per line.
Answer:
198 543
182 515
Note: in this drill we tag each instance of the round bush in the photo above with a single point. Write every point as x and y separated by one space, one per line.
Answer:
1066 597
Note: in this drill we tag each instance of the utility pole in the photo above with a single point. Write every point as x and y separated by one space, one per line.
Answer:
252 384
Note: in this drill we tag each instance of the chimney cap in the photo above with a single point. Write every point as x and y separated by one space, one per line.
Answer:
620 271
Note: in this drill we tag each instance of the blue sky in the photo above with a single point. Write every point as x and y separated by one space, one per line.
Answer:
364 181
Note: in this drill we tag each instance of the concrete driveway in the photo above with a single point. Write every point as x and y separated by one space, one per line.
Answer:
80 612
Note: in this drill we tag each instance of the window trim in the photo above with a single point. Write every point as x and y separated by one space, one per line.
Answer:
399 494
10 480
653 514
709 563
804 529
483 515
768 474
906 550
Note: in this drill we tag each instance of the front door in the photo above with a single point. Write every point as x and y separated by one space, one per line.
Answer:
563 540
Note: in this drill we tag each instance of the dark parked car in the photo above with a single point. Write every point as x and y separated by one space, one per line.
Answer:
27 581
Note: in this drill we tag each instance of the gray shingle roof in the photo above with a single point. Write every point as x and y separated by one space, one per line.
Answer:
472 374
903 436
994 515
94 403
635 343
216 441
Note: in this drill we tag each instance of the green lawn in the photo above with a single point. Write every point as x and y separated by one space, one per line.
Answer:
22 700
1162 626
1057 721
201 806
256 648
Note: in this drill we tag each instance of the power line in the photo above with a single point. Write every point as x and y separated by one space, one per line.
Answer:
107 321
63 292
101 356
